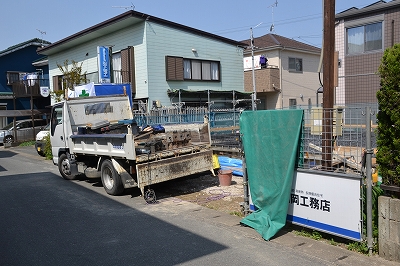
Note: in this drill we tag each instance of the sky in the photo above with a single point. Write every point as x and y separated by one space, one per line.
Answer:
53 20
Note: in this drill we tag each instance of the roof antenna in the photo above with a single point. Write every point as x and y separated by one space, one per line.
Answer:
271 29
132 7
41 32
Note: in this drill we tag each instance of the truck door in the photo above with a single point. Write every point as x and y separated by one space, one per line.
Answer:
57 136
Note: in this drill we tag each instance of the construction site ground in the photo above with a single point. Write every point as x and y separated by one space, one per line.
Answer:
204 190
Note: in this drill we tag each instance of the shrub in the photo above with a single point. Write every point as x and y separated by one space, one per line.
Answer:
388 138
47 147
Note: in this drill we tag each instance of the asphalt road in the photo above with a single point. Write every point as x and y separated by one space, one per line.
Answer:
46 220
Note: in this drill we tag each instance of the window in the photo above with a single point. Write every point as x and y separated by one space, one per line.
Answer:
25 124
187 74
13 77
174 68
364 38
292 103
57 83
56 117
196 69
128 66
295 64
116 67
178 68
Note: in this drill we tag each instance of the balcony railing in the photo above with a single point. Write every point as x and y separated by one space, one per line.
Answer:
267 80
29 87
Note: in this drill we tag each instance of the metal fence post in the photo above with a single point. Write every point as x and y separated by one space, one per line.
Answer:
369 179
246 200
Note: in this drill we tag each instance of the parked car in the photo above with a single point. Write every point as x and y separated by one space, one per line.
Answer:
39 144
24 130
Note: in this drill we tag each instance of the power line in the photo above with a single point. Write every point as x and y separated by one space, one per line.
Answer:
132 7
278 22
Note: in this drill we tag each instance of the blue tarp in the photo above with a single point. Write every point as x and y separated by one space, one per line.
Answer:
113 89
235 165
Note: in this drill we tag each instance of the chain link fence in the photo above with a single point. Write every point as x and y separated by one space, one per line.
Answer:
334 140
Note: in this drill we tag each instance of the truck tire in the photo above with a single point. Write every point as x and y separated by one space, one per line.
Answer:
111 180
64 167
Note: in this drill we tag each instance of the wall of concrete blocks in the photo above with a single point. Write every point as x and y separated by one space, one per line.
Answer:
389 228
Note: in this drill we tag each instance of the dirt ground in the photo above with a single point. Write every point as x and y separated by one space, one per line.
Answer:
204 190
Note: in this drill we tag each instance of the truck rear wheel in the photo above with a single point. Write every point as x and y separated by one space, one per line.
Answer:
111 180
64 167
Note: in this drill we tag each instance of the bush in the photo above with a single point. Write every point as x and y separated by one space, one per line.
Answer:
388 138
47 147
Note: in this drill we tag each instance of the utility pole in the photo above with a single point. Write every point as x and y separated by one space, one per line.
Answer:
328 82
254 95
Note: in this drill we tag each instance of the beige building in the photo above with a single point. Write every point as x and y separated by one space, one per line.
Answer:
289 78
361 37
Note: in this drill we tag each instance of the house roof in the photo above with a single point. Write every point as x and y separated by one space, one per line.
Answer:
36 42
5 95
125 19
43 61
378 6
273 41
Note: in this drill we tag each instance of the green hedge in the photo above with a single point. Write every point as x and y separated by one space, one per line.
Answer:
388 137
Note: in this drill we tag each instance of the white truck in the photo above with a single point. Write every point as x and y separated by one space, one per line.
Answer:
98 137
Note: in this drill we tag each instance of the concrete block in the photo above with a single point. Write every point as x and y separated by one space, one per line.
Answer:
397 252
394 252
394 231
394 208
384 228
384 249
390 251
383 206
389 228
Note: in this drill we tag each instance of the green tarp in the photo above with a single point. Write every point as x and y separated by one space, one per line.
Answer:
270 139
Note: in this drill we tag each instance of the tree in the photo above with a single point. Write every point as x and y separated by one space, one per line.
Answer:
71 78
388 138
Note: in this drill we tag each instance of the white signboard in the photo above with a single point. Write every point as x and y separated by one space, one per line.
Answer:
248 62
44 91
327 202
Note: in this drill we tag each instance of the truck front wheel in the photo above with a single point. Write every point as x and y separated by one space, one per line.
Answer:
111 180
64 167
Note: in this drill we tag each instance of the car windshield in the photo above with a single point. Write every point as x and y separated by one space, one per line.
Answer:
9 126
47 127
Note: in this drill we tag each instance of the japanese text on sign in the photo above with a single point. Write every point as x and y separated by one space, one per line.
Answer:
310 199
